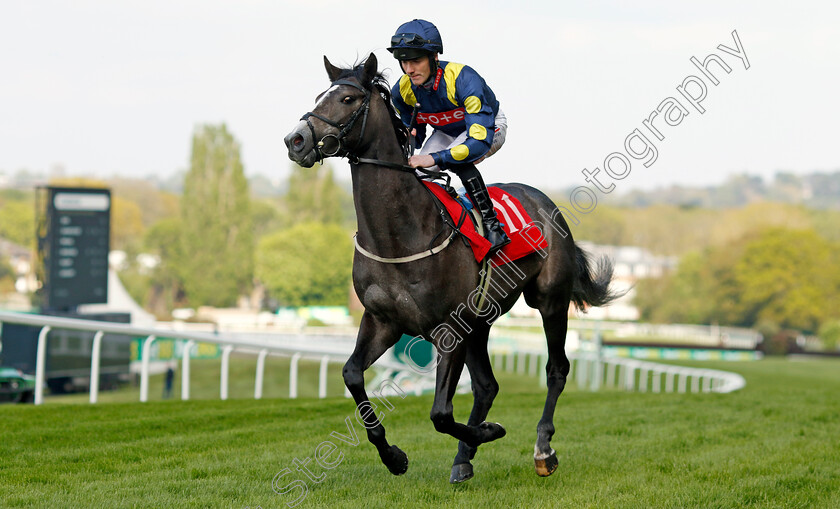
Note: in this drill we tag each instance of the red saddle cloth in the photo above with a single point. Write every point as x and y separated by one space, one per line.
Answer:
525 237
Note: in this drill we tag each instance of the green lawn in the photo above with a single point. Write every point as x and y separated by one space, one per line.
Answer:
775 443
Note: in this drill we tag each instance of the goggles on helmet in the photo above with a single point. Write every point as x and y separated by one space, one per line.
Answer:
408 40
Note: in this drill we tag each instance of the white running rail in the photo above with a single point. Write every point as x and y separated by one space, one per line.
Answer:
591 370
325 352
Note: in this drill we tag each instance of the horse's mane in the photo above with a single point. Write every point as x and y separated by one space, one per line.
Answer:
379 85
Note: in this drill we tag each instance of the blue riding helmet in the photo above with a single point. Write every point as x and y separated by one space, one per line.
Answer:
415 39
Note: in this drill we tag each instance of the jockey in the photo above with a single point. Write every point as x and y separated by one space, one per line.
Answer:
467 124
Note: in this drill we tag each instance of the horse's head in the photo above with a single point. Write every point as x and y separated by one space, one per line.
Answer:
337 122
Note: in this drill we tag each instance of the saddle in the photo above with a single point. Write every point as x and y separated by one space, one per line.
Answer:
525 235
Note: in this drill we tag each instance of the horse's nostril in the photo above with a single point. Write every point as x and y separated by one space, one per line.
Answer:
297 142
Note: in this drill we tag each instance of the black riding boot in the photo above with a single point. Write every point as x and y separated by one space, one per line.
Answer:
477 191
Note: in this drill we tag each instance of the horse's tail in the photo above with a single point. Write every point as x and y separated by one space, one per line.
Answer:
592 288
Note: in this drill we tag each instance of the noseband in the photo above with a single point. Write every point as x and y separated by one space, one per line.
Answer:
344 129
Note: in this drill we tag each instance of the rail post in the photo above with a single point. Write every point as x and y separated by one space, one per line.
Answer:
223 390
644 372
682 377
657 380
322 377
40 364
144 370
185 369
94 366
258 383
598 366
293 376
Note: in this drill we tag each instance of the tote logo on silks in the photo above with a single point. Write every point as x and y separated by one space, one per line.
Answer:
525 236
442 118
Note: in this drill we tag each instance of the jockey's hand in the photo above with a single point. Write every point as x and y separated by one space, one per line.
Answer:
421 161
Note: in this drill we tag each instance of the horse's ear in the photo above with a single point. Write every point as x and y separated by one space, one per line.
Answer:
332 71
371 66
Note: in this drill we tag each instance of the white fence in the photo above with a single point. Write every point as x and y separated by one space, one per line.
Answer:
290 345
590 369
714 336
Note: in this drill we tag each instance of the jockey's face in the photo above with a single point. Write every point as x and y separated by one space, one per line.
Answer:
417 69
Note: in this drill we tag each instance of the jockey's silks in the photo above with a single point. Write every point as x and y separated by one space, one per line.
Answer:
457 100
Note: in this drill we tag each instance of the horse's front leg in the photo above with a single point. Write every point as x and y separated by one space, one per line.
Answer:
484 388
449 368
375 337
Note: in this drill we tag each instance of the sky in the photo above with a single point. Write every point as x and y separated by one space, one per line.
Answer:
117 88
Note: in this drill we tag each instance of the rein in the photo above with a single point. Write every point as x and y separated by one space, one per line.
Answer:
344 129
432 174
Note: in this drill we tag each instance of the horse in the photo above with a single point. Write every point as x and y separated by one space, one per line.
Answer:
433 296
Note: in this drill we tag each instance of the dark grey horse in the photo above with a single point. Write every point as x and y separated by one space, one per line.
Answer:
435 296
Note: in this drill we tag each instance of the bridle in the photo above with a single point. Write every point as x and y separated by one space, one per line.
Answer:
344 129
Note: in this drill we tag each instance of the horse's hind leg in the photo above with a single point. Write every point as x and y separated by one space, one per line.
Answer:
485 388
555 322
374 339
449 368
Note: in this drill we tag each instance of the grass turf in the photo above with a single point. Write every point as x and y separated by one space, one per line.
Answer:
775 443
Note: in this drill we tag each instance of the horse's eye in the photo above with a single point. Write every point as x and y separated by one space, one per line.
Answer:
348 100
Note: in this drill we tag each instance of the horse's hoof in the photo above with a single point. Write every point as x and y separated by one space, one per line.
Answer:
395 460
491 431
461 473
546 465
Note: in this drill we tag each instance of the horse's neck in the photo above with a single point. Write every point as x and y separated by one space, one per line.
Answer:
395 213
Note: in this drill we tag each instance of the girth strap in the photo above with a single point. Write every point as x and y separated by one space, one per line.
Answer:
405 259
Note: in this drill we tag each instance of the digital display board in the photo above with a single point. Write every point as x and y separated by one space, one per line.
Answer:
73 241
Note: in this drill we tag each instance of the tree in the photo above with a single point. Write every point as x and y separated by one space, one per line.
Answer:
682 297
314 196
7 276
216 220
78 182
787 276
827 223
605 225
830 334
17 221
776 279
154 204
308 264
166 286
126 224
735 224
266 217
